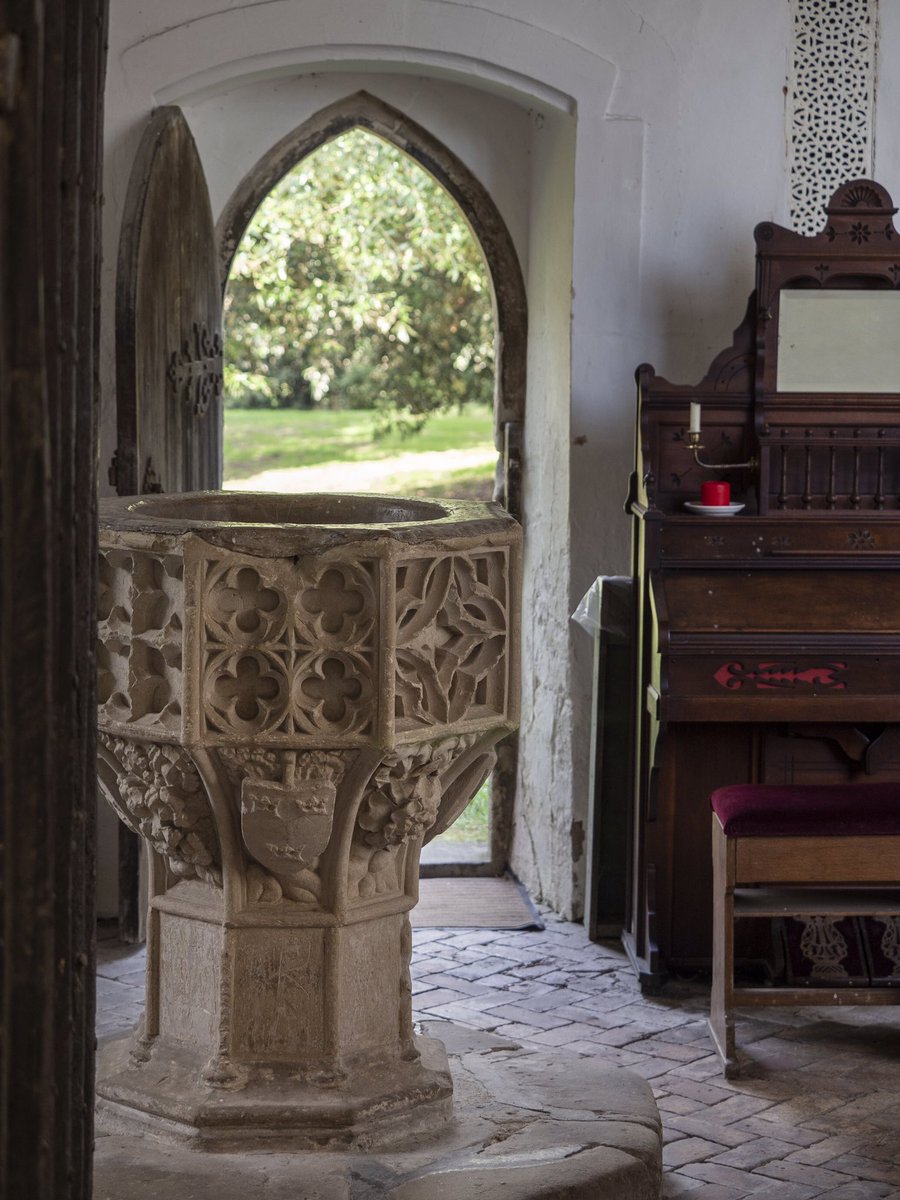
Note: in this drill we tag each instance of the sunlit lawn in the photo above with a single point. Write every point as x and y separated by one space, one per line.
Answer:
473 824
259 439
316 451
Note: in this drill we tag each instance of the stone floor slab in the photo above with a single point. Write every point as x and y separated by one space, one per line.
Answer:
526 1125
821 1111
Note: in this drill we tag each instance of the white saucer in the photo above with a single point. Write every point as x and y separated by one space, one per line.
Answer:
713 510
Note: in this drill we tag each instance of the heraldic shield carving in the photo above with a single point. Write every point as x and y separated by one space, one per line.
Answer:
287 825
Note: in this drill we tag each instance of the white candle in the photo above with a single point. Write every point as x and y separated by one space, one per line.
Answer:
695 418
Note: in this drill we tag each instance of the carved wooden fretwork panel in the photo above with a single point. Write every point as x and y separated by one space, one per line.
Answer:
830 102
140 597
158 792
292 655
890 943
452 630
823 945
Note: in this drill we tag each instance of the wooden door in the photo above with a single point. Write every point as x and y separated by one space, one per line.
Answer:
168 356
168 320
52 68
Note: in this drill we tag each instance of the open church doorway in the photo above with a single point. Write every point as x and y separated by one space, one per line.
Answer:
374 339
172 274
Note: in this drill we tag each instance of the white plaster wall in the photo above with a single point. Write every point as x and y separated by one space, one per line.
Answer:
233 128
542 834
630 146
886 156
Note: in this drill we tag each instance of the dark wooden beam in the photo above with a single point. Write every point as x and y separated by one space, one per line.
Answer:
52 60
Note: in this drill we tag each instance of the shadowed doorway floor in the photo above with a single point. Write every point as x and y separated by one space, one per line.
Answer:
474 904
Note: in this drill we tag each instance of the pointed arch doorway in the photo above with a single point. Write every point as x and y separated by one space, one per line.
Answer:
365 112
173 265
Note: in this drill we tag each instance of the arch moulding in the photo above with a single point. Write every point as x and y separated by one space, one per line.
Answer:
364 111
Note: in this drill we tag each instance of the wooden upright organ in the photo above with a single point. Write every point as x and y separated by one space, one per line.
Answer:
767 641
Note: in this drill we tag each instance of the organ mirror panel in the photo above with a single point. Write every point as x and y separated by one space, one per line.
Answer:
837 340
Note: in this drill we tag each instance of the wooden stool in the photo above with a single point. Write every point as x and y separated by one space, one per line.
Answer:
797 851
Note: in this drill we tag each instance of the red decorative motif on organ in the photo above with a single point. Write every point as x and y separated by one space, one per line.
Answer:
772 675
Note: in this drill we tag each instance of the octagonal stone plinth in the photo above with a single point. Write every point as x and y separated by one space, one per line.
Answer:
529 1125
295 692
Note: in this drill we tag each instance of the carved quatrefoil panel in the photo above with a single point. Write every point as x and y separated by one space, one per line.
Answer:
333 692
241 608
339 608
290 649
247 692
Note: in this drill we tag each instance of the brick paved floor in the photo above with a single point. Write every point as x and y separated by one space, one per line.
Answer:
818 1113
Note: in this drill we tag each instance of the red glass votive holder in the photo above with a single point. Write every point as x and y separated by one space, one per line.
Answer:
715 492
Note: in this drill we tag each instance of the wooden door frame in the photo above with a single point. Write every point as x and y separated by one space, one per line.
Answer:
52 66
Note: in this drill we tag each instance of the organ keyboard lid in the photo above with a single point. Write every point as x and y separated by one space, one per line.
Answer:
835 605
774 645
802 645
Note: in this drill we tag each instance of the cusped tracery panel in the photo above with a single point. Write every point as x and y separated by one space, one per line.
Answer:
452 631
139 653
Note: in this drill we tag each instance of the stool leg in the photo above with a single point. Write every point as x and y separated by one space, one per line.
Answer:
721 1015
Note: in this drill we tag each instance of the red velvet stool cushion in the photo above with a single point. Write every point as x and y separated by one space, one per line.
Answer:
808 810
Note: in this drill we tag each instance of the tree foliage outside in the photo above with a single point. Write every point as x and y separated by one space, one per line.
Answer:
358 284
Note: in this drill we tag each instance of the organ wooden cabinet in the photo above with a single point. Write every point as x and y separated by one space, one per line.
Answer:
767 640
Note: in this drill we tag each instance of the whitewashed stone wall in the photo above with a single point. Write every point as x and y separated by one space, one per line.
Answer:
631 147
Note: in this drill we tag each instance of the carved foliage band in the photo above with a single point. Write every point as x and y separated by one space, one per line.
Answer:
401 803
403 798
160 795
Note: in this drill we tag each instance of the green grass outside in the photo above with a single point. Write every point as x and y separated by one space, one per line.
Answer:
474 824
276 439
465 483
